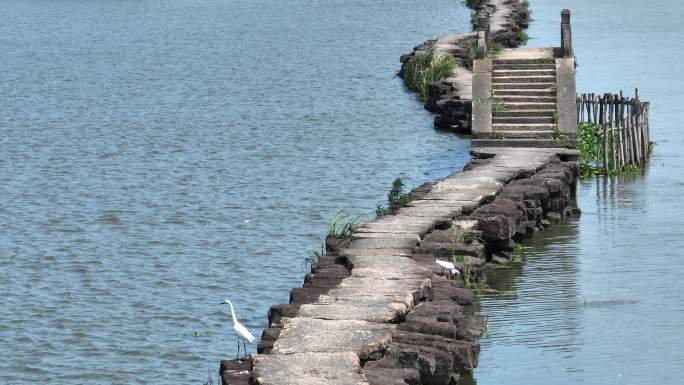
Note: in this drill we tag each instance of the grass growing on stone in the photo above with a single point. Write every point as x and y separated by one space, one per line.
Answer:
395 199
498 135
460 236
522 37
544 61
498 106
426 67
313 257
557 135
494 49
470 279
342 225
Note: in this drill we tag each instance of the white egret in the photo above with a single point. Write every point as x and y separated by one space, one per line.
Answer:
241 331
449 266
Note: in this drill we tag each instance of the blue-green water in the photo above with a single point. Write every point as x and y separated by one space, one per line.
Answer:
600 300
158 156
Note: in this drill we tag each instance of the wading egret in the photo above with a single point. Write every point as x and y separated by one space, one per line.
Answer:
241 331
449 266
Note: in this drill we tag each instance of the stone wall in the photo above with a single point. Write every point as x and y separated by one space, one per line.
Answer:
451 98
427 333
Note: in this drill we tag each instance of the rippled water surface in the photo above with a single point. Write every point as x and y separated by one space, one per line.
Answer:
158 156
600 300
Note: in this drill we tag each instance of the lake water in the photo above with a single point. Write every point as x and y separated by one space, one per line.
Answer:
159 156
600 299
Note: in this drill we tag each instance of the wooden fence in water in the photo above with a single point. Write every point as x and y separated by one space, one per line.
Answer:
621 128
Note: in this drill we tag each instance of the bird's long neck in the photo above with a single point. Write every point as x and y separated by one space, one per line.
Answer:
232 312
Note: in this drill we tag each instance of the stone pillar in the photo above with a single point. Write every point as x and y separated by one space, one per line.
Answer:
482 98
482 34
566 97
566 34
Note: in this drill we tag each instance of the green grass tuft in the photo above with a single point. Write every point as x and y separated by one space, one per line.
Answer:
545 61
342 226
494 49
395 199
522 37
426 67
498 106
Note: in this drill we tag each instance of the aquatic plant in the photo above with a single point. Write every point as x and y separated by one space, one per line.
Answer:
425 67
313 257
591 153
341 225
516 255
395 199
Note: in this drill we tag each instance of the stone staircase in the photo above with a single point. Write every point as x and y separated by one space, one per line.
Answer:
517 100
524 99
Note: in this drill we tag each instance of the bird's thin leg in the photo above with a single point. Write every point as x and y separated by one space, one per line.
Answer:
244 347
237 357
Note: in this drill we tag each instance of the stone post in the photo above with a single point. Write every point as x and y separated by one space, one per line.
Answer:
566 96
482 34
482 98
566 34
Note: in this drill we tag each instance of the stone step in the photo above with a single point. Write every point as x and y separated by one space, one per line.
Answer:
524 79
550 112
528 72
525 91
343 368
523 66
519 61
522 135
537 143
511 106
526 98
523 127
511 86
522 119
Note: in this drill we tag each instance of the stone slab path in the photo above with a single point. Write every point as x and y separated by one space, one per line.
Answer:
325 341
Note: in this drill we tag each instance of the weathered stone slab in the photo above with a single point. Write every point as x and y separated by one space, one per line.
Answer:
466 206
366 339
381 310
407 291
364 235
399 224
383 243
391 273
349 252
308 369
430 212
381 262
461 195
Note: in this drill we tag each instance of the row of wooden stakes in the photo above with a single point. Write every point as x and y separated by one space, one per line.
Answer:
621 127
